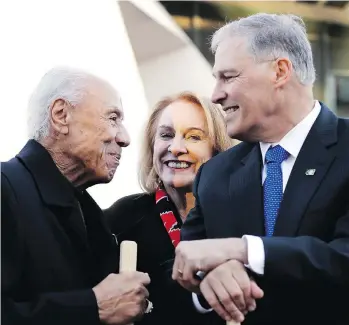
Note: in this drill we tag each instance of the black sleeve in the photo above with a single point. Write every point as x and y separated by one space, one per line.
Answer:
54 308
194 226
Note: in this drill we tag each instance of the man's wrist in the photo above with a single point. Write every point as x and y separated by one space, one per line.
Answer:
237 249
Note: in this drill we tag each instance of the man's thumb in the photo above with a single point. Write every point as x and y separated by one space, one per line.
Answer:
256 292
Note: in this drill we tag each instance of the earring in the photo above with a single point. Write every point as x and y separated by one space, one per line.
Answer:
160 185
169 149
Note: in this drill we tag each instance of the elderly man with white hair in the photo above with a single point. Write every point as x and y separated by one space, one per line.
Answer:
59 260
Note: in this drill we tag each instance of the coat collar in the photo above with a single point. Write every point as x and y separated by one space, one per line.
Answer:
54 188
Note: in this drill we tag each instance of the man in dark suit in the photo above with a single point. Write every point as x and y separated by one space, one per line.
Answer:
58 258
275 208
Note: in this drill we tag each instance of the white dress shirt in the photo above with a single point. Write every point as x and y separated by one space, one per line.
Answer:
292 142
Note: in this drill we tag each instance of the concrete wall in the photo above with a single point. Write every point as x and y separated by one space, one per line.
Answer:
181 70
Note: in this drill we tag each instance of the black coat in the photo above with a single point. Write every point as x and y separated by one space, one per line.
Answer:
49 262
135 218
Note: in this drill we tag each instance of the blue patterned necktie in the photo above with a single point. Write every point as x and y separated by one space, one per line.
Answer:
273 186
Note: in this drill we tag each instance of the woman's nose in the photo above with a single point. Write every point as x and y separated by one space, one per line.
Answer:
177 147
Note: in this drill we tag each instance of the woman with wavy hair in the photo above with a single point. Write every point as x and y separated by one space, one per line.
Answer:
182 133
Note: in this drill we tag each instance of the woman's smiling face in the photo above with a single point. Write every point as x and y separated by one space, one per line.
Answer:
181 144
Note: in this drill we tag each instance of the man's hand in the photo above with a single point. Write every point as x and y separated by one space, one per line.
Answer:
230 292
121 298
205 255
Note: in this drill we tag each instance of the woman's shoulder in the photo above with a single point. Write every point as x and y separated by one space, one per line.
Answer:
130 203
128 209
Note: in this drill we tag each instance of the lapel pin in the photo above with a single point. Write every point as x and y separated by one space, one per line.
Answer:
310 172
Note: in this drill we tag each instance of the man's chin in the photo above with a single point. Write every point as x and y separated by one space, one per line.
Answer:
110 175
106 177
234 133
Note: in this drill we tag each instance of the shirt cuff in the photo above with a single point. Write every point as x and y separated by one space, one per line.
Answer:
255 254
198 306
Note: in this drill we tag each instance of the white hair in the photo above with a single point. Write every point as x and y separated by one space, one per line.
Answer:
271 36
59 83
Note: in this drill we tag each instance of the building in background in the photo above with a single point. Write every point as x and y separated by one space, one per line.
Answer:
136 45
328 31
147 49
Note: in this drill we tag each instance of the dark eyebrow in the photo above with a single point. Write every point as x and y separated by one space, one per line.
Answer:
166 127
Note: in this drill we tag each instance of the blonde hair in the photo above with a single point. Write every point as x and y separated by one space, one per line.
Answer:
148 178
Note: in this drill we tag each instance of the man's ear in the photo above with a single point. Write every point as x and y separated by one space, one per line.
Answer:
283 71
59 116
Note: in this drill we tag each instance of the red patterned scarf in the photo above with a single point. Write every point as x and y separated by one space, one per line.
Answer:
165 209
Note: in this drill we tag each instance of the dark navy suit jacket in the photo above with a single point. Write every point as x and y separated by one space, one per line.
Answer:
306 275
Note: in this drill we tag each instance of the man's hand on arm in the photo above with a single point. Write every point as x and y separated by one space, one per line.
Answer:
227 287
121 298
205 255
229 291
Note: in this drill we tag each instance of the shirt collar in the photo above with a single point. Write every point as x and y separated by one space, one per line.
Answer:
293 141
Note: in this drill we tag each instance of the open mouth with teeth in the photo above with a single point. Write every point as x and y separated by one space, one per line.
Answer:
175 164
231 108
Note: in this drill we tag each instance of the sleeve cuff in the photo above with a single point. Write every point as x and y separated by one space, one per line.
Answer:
198 305
255 254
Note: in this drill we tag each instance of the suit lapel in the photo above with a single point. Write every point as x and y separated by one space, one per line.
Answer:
315 155
245 183
70 219
78 225
103 248
94 218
